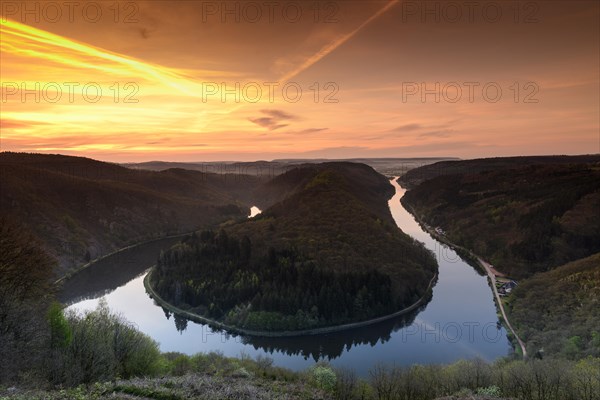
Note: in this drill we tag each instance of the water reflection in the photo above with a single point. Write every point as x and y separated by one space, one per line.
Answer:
107 274
254 211
334 345
458 320
324 347
181 323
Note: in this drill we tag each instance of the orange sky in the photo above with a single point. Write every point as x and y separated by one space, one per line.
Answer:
202 80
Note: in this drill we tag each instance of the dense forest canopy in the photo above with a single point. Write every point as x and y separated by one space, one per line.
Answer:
416 176
216 276
81 209
328 211
523 220
304 262
558 312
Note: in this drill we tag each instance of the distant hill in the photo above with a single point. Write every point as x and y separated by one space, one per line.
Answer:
82 208
558 312
269 169
524 219
415 176
265 169
326 252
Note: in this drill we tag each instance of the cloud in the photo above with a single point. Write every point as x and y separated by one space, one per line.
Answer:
443 133
330 47
274 120
407 128
414 130
144 33
441 130
312 130
305 131
278 114
20 40
438 149
333 152
11 124
269 123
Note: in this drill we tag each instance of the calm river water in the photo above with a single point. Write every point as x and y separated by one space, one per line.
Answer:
458 321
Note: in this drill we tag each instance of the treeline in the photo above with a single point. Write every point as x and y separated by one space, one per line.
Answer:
216 276
524 380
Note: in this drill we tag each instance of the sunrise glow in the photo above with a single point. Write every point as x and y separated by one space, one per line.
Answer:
378 80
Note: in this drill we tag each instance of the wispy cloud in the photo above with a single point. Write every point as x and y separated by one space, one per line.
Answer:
275 119
330 47
279 114
407 128
443 133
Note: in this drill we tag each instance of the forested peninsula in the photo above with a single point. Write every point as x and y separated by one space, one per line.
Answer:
304 262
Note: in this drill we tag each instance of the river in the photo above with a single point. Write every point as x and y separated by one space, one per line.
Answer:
458 321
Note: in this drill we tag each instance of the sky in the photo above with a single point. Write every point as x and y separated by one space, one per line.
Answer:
243 80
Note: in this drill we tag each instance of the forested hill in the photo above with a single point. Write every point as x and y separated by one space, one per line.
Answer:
523 220
558 312
414 177
337 213
358 179
326 252
82 208
328 211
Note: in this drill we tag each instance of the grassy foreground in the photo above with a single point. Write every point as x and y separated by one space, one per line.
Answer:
189 386
213 376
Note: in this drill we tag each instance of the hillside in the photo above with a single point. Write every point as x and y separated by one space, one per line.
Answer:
304 262
333 207
523 220
558 312
82 208
416 176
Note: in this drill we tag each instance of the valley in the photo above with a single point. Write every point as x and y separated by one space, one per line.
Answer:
259 286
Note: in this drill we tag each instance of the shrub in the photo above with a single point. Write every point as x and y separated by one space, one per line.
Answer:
103 346
489 391
181 365
324 377
241 373
346 383
263 363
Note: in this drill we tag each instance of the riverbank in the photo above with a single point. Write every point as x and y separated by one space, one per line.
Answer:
305 332
72 273
490 271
